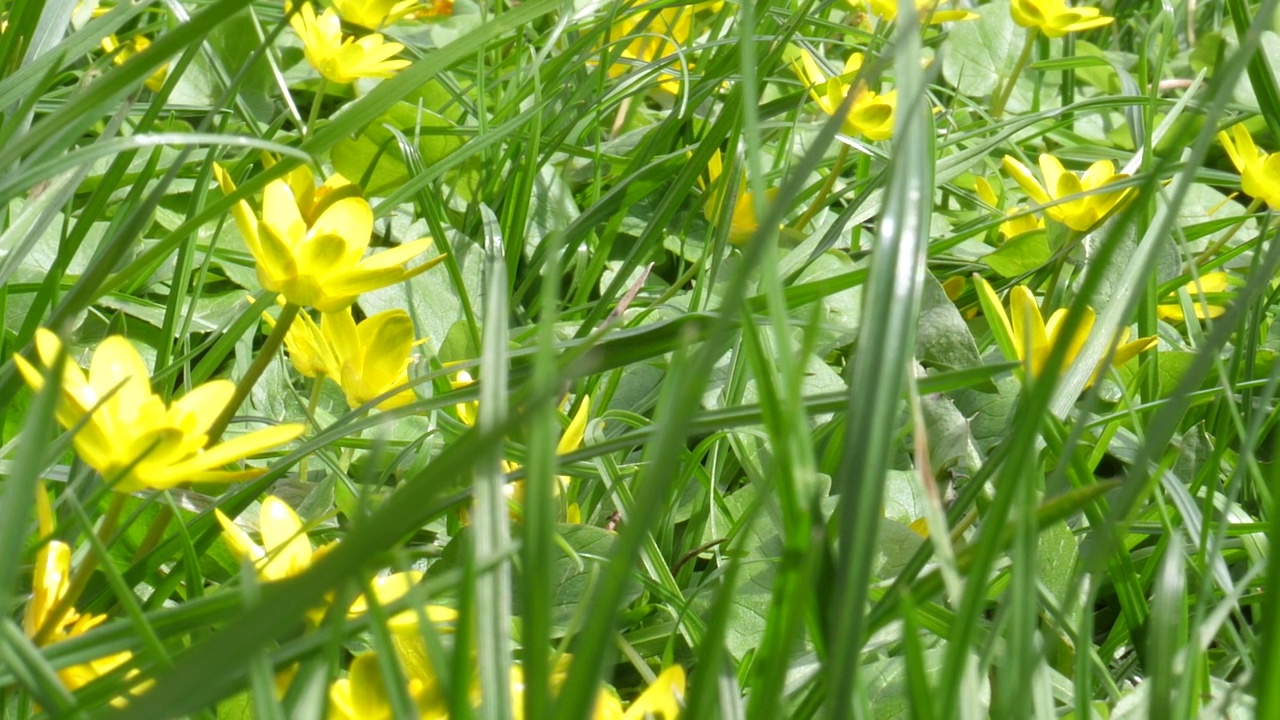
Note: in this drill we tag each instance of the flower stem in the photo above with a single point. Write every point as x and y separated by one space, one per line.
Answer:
999 101
821 198
316 387
265 355
1218 244
315 105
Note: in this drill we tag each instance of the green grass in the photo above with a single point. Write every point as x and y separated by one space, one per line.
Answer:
813 475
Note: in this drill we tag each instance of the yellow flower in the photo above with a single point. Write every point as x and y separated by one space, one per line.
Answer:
1259 171
1054 18
406 636
1208 284
657 41
571 440
374 14
139 43
1019 221
660 701
1083 211
130 435
49 585
343 59
467 411
367 360
285 549
744 221
927 11
363 695
1028 338
871 114
310 242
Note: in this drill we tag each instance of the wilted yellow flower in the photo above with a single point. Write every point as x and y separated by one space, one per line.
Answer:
1208 284
1020 222
1084 211
285 550
658 40
310 243
136 45
871 114
927 11
1259 171
343 59
367 359
1033 339
744 222
374 14
1055 18
49 585
662 700
130 435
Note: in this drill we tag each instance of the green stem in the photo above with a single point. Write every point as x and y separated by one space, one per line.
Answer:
315 105
265 355
824 192
1213 249
311 416
1000 100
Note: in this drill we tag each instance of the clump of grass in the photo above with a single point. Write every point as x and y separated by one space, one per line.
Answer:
633 360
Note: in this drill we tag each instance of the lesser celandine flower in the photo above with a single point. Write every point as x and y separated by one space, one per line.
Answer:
1019 222
928 11
662 700
310 242
744 221
130 435
363 694
406 635
285 550
367 359
1033 339
1259 171
871 114
374 14
343 59
1207 284
1082 212
657 40
49 585
1055 18
136 45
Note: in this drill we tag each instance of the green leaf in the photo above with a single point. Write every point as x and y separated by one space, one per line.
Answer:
1020 255
977 55
944 338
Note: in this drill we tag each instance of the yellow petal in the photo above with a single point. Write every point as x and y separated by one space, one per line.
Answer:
1029 332
241 447
285 543
204 403
280 214
241 545
1052 171
117 366
572 438
662 699
1022 175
